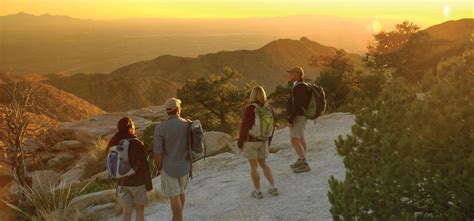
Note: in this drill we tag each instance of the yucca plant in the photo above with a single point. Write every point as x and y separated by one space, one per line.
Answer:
49 202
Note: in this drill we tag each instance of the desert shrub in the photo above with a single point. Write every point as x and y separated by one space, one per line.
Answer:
96 162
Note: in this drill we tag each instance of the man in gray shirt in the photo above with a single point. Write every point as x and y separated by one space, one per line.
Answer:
171 154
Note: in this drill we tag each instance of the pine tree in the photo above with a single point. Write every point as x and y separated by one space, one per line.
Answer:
410 156
215 100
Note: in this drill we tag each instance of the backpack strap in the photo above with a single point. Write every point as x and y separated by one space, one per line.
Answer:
189 138
255 108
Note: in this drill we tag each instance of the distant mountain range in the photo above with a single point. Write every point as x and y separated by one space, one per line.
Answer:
65 45
151 82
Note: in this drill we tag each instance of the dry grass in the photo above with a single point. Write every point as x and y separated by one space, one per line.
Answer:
156 196
96 163
49 204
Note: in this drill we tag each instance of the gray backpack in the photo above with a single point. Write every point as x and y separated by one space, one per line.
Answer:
118 164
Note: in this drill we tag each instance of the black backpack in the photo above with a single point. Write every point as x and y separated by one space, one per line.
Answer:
317 102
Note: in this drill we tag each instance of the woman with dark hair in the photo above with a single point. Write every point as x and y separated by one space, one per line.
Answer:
132 190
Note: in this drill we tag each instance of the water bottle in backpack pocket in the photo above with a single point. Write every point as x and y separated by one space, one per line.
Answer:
118 164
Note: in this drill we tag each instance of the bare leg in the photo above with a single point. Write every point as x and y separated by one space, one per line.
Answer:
303 143
266 171
140 210
177 208
300 150
182 198
254 174
127 213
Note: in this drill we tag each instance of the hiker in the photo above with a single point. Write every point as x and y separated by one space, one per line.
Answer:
297 104
256 132
131 190
173 155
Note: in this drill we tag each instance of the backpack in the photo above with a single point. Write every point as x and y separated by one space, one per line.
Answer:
118 164
317 102
195 138
263 127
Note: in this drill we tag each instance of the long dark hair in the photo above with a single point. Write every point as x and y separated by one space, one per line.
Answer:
123 127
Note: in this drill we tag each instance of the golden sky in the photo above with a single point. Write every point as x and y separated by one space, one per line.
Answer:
420 11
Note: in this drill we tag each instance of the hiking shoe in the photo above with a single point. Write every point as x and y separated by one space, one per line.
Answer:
273 191
257 194
296 164
302 168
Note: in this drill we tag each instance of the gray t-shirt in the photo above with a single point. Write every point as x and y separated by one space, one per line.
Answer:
171 141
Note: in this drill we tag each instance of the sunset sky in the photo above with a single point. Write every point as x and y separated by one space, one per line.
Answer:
420 11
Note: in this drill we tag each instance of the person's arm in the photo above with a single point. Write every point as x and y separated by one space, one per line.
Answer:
247 121
273 131
141 158
158 147
291 107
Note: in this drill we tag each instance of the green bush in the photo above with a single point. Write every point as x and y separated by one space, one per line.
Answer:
410 156
279 100
338 77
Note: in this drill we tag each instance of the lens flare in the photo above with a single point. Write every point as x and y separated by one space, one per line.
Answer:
375 27
447 11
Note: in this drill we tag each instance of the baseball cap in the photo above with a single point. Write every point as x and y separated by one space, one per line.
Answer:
172 104
297 70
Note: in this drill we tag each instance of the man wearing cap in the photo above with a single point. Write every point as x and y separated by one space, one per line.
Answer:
297 104
170 153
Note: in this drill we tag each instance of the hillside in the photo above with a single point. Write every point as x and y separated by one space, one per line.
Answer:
266 65
116 93
427 48
57 104
149 83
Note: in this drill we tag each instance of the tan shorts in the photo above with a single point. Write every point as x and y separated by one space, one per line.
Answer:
131 196
173 186
299 125
255 150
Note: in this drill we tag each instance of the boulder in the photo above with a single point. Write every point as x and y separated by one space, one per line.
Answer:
44 156
93 199
216 143
72 175
67 145
102 176
31 146
63 160
151 113
103 125
102 210
44 179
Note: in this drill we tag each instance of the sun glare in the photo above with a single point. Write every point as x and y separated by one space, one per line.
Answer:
447 11
374 27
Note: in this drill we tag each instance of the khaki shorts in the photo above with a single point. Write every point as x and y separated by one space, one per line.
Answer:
131 196
255 150
173 186
299 125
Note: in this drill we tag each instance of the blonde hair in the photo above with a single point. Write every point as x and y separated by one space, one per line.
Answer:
258 95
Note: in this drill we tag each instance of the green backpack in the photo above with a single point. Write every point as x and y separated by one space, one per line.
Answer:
263 126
